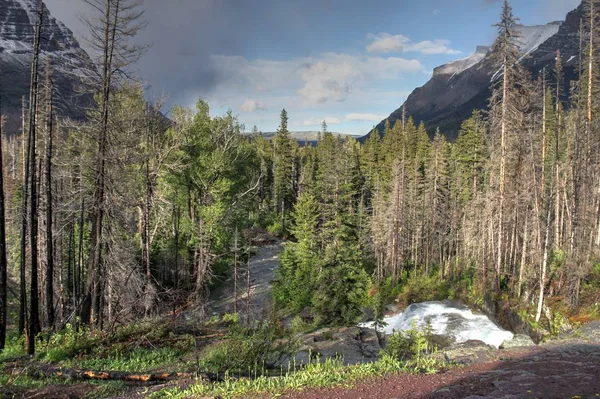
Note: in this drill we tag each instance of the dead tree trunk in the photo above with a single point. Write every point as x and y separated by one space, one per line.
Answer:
49 215
34 321
3 264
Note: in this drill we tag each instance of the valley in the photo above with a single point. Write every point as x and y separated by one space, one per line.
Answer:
241 236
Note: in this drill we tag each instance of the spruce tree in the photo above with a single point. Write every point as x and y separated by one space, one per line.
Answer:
283 169
300 262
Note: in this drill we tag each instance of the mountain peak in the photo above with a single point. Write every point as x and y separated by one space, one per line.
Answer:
459 87
455 67
59 47
18 27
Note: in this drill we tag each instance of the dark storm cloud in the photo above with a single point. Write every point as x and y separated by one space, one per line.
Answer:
182 35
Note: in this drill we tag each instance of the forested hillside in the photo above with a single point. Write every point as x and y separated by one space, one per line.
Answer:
128 216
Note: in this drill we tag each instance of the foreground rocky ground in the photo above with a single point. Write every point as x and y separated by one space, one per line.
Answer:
568 367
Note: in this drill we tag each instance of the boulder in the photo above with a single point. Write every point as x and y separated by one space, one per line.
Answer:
468 353
590 332
519 341
442 341
392 308
370 343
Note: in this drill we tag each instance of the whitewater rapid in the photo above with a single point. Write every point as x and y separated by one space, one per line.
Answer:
452 320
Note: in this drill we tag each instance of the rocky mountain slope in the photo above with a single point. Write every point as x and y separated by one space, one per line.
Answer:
457 88
68 61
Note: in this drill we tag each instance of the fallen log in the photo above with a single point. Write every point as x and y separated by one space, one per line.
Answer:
15 359
73 374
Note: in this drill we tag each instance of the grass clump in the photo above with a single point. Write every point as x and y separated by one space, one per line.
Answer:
139 347
13 347
316 374
131 360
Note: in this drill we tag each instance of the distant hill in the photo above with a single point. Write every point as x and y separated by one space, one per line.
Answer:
309 137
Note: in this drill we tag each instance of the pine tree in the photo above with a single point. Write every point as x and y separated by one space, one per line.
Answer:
34 319
370 160
283 169
300 261
342 285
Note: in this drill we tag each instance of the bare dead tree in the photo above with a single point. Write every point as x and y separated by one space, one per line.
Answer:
49 213
3 262
34 321
113 24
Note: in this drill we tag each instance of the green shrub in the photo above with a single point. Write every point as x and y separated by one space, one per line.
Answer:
246 348
13 348
299 326
410 344
274 226
559 323
231 318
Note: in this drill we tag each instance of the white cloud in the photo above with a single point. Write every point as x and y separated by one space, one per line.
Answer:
386 43
252 105
365 117
319 121
330 77
437 46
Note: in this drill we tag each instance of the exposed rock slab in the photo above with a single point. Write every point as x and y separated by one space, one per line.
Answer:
470 352
352 345
519 341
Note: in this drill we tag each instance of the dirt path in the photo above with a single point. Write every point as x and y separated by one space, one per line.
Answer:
262 272
562 370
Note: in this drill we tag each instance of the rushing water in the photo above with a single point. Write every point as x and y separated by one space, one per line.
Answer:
447 319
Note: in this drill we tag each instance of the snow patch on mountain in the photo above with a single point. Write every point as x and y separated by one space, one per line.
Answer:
72 69
458 66
533 37
17 26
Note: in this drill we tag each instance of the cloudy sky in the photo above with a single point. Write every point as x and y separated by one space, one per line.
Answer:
350 62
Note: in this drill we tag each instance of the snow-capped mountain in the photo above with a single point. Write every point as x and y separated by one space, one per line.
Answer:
455 67
69 62
532 37
459 87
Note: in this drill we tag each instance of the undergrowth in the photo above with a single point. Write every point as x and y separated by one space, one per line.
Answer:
410 344
267 345
328 373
